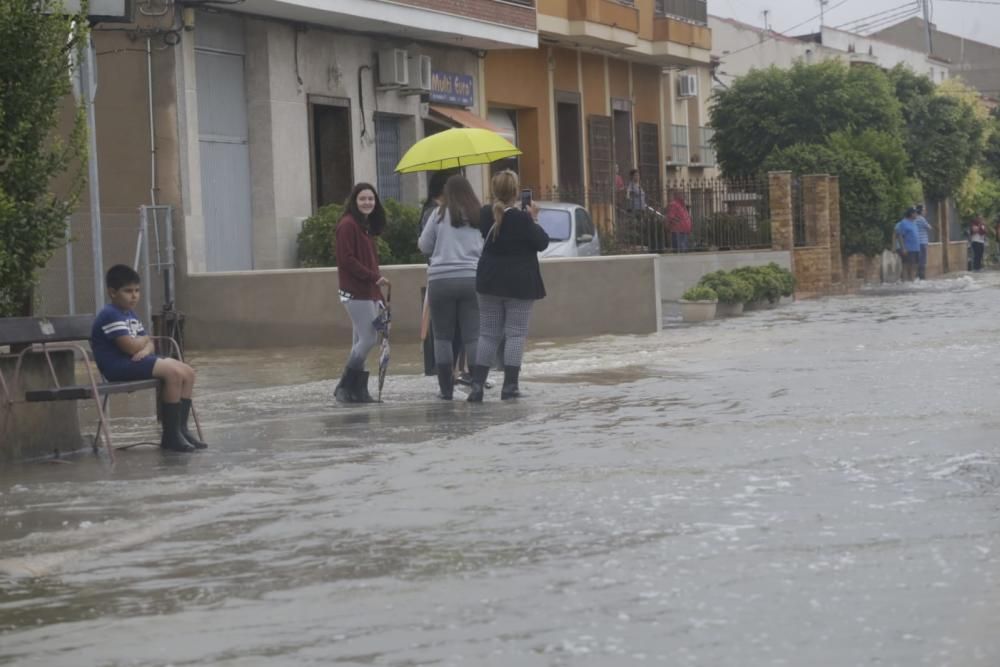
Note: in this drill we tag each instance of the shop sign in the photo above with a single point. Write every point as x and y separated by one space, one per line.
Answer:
452 88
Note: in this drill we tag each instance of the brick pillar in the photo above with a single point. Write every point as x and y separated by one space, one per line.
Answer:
836 257
780 198
816 208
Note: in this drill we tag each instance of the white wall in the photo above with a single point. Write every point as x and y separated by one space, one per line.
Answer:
328 64
885 55
743 48
758 50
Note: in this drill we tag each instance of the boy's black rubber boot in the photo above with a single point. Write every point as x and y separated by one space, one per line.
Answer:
446 381
185 431
479 374
510 389
172 438
361 394
344 393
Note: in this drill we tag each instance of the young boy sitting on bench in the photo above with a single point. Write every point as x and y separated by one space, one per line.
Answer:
124 352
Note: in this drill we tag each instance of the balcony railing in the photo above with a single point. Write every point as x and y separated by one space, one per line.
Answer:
695 11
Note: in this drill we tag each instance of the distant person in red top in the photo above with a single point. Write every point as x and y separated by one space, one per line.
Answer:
679 223
360 283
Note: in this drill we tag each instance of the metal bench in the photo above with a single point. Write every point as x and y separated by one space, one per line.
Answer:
44 335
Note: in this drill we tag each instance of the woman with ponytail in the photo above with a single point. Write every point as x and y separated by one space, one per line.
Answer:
360 284
508 282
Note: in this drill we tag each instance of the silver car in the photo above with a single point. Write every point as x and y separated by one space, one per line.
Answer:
570 229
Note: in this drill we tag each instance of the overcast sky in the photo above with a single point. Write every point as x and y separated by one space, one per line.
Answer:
978 20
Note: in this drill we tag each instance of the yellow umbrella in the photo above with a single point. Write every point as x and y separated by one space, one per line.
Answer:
458 147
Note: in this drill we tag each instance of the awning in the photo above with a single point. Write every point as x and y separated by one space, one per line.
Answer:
463 118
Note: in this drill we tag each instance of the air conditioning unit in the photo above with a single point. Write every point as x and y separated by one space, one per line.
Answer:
687 85
419 75
393 68
103 11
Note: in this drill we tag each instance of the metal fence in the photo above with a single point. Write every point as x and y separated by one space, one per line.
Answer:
725 215
798 213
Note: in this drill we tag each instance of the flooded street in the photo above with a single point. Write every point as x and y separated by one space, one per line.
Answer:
812 485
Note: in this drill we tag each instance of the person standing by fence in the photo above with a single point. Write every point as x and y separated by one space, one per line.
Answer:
509 281
923 234
977 234
679 223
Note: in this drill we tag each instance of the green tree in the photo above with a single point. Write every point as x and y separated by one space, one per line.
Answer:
772 109
866 207
35 42
944 139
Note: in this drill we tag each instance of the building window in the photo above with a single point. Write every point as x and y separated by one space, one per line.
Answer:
705 150
679 153
692 11
387 156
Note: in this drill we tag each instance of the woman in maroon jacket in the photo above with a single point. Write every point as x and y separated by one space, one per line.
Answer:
360 283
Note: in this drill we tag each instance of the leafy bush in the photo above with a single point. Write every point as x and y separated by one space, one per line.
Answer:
396 245
783 276
316 240
767 285
866 196
700 293
730 288
402 230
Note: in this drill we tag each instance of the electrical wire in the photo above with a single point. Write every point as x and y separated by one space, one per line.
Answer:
887 21
774 34
905 5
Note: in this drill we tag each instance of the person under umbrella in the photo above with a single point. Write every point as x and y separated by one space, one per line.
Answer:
453 243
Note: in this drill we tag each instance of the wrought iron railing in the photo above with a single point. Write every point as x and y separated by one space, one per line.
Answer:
694 11
798 214
725 214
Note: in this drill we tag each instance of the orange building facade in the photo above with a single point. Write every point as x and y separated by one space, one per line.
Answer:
613 86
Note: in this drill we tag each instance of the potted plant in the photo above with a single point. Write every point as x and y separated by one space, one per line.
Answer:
733 292
766 286
698 304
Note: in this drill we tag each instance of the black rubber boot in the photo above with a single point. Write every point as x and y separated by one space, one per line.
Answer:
510 389
185 431
446 381
361 388
479 374
344 393
172 438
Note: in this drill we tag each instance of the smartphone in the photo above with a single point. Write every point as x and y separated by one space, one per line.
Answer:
525 199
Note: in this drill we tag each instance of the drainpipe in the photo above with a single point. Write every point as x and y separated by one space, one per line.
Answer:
152 134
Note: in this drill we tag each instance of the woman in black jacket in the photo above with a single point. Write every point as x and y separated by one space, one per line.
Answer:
508 282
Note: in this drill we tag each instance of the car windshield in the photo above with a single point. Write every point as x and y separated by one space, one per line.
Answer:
556 223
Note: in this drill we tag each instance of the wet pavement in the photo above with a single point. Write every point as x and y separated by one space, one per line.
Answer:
811 485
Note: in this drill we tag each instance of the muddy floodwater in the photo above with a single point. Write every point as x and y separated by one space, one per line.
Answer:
813 485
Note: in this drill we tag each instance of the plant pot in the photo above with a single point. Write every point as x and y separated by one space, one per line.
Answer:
729 309
698 311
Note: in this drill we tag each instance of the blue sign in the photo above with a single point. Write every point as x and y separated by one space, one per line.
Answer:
452 88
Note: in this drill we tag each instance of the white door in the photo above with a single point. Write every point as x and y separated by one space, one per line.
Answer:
222 139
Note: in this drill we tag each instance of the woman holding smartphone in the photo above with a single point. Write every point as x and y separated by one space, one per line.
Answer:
508 282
